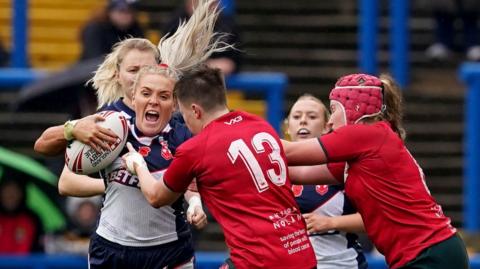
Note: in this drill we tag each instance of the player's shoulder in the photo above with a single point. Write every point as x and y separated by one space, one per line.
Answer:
119 106
177 130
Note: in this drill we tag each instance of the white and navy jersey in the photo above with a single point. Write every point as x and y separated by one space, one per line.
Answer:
120 106
333 249
126 216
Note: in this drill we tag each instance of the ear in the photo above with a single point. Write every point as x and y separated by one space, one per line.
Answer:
197 110
133 98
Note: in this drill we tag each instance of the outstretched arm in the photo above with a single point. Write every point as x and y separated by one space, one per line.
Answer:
305 152
352 223
54 140
155 191
72 184
311 175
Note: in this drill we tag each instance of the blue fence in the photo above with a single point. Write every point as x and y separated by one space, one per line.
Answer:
399 38
470 73
205 260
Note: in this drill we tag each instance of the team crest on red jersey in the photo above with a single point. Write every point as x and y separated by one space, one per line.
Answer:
321 189
297 190
144 151
166 153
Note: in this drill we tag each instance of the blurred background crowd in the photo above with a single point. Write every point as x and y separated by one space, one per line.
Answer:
312 42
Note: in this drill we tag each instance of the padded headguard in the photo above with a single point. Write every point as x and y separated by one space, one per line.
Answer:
361 96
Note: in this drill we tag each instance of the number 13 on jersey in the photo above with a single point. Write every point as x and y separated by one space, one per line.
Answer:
239 148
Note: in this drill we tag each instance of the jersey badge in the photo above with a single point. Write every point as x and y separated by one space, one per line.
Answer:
144 151
166 153
321 189
297 190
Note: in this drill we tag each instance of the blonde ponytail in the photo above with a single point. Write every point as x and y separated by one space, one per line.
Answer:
194 41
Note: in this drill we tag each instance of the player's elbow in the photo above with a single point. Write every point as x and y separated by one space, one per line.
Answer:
62 188
156 199
42 148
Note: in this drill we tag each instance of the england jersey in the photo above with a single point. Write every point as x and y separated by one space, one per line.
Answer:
120 106
126 216
241 173
333 249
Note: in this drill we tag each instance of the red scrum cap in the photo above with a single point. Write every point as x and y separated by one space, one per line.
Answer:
360 95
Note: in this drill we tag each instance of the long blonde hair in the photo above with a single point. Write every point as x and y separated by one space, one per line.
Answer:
105 81
194 41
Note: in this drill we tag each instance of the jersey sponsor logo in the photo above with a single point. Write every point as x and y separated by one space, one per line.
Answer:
297 190
123 177
285 217
321 189
166 153
234 120
144 151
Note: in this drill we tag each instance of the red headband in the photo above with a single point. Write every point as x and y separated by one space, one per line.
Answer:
360 94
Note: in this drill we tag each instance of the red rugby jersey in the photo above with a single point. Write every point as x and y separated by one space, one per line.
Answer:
387 187
240 168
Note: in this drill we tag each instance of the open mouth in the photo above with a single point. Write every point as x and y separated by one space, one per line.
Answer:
303 132
151 116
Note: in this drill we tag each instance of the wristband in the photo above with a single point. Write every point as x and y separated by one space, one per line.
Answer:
193 202
68 129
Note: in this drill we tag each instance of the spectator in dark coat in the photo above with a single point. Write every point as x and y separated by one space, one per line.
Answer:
117 22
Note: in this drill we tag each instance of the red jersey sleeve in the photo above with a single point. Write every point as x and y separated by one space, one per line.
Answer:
180 173
337 170
351 141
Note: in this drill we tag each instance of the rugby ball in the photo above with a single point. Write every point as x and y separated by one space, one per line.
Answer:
84 160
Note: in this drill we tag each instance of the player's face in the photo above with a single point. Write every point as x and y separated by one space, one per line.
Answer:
191 120
337 119
306 120
129 67
153 103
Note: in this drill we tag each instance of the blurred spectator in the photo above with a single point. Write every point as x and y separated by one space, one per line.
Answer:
83 214
116 22
20 229
445 13
228 61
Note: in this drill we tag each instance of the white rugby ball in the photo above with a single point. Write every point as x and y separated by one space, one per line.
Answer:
84 160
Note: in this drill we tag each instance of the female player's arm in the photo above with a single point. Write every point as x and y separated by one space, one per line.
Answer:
195 213
311 175
155 191
53 141
351 223
305 152
72 184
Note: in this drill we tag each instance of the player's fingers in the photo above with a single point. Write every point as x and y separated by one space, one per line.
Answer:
307 216
106 137
130 147
100 144
94 146
107 132
98 118
190 217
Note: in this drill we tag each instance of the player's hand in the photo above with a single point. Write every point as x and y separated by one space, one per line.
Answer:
318 224
196 216
88 132
132 160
